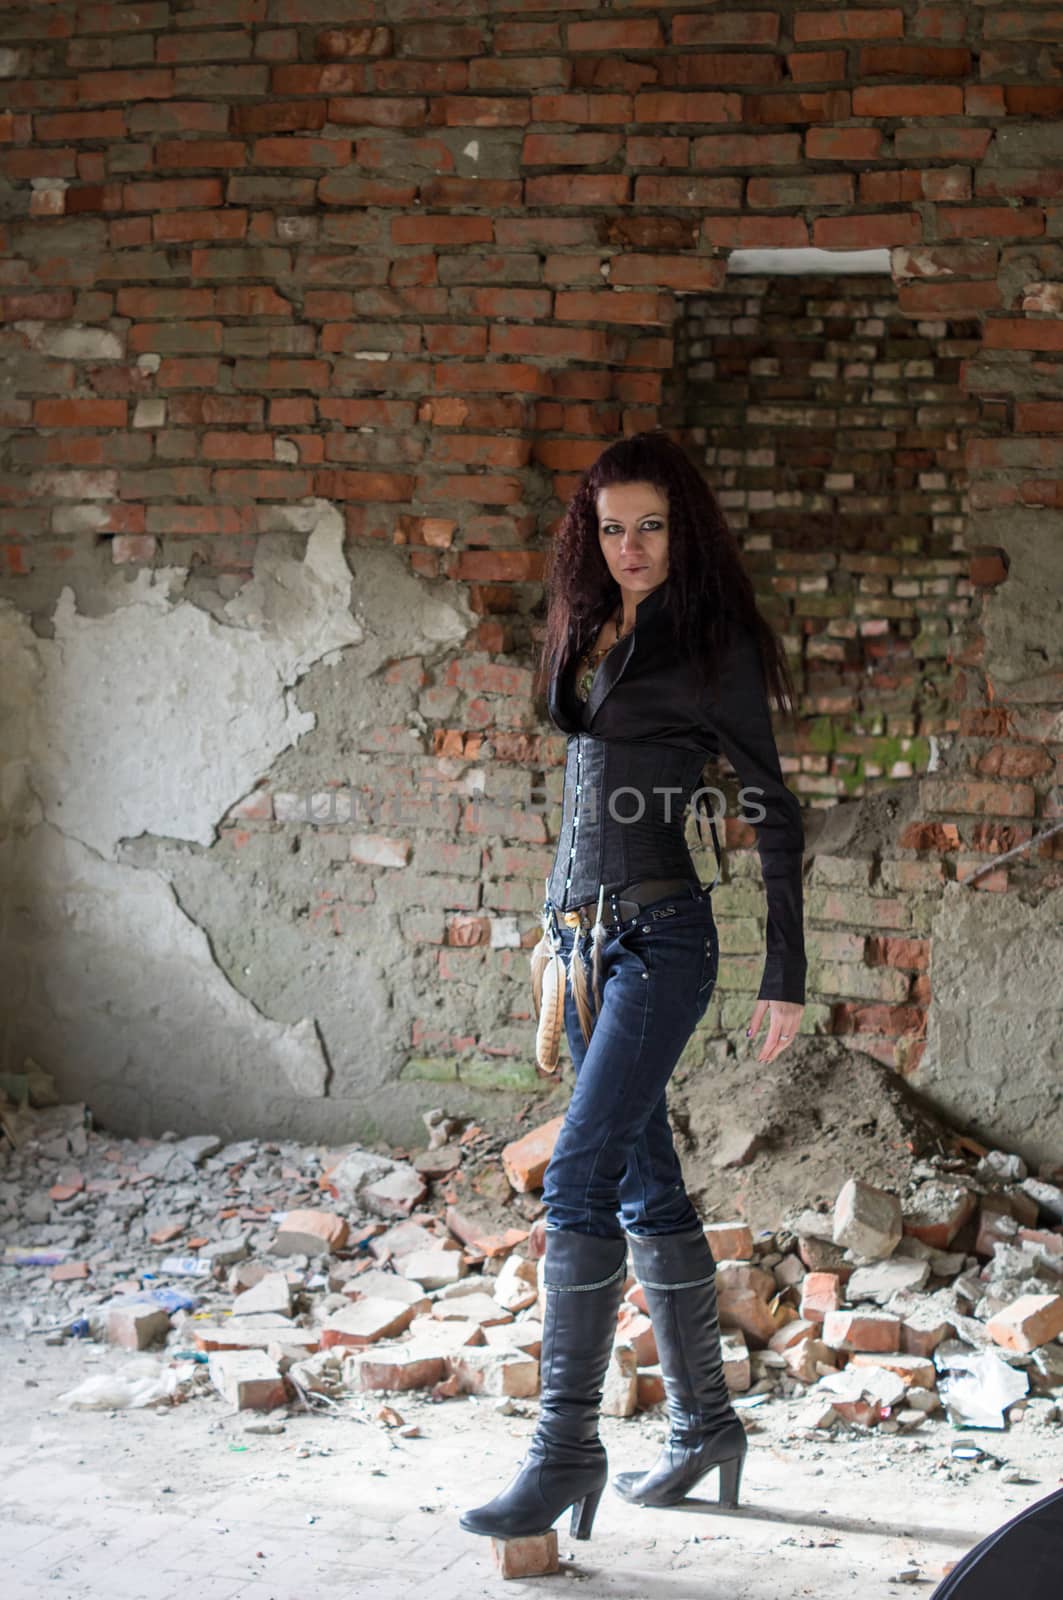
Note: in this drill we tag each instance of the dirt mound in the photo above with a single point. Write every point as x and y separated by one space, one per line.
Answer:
794 1131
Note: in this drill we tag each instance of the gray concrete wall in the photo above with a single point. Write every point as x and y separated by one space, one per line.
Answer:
994 1056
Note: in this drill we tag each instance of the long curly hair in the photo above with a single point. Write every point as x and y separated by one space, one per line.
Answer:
709 590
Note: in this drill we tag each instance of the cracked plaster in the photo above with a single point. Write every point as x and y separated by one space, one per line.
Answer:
129 734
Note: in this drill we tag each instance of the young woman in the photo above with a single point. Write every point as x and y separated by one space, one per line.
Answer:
655 657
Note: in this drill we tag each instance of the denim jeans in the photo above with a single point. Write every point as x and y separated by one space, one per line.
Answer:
614 1165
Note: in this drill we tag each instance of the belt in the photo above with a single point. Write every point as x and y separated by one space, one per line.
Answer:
636 896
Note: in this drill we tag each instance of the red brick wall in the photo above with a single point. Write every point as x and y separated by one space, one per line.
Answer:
443 254
831 425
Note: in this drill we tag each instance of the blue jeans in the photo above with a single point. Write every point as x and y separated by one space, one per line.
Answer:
614 1165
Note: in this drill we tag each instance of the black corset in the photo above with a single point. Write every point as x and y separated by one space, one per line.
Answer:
622 817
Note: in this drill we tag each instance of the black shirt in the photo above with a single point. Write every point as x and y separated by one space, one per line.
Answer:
644 729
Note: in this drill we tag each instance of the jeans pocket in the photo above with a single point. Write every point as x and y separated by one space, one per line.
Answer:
636 943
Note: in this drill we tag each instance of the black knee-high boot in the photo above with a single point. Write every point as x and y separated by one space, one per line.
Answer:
566 1463
678 1276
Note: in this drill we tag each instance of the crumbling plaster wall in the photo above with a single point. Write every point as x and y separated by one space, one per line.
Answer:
161 979
993 1061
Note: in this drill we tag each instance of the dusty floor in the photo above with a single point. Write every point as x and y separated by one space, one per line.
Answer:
183 1501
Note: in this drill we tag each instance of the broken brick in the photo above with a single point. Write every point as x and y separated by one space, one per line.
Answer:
749 1311
620 1390
912 1370
516 1285
396 1193
272 1295
736 1276
137 1326
730 1241
805 1359
394 1368
172 1230
867 1220
533 1557
650 1387
67 1271
526 1335
792 1333
820 1292
937 1211
248 1379
819 1255
636 1329
480 1308
525 1160
734 1353
479 1234
365 1322
489 1371
1027 1323
310 1233
401 1239
378 1285
861 1330
432 1269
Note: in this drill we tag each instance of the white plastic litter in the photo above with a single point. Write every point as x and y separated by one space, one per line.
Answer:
978 1387
141 1382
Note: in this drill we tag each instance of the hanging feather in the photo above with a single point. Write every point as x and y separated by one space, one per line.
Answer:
578 972
551 1013
548 995
539 958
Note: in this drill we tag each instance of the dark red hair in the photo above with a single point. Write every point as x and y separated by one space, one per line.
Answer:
709 590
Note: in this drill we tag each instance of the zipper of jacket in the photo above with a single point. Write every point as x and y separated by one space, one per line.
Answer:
575 811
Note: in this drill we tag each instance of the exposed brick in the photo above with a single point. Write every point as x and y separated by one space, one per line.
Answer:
650 1389
820 1294
793 1333
248 1379
531 1557
861 1330
916 1372
525 1160
1028 1323
636 1330
395 1367
806 1358
937 1211
495 1372
135 1327
310 1233
366 1322
620 1391
730 1241
867 1219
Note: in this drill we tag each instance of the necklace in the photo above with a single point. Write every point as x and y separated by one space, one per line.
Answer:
591 659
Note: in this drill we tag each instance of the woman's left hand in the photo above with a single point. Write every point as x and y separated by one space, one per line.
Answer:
782 1030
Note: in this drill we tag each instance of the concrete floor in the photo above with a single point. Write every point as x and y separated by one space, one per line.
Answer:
155 1505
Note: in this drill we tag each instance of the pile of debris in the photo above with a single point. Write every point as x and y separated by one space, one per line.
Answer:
277 1274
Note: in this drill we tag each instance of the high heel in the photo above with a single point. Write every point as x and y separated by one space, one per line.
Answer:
566 1463
583 1514
730 1479
678 1277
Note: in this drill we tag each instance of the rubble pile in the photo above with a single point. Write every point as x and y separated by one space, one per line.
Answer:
276 1274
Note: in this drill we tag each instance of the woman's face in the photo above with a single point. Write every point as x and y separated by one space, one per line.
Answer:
633 534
